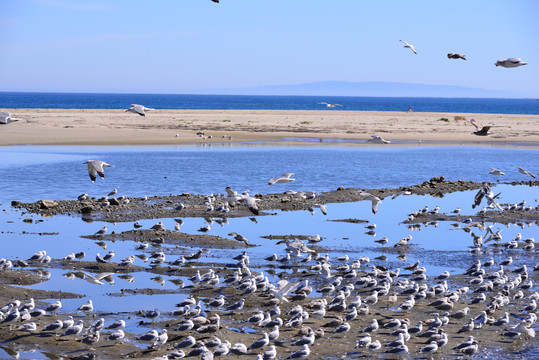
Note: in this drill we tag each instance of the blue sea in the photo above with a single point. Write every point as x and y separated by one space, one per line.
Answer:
259 102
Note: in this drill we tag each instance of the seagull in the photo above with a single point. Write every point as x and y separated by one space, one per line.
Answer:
322 208
5 118
139 109
88 307
368 196
286 177
102 231
95 167
411 47
329 105
480 129
510 62
525 172
239 237
260 343
456 56
377 139
495 171
301 353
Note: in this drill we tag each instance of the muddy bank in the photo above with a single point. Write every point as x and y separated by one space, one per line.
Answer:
189 205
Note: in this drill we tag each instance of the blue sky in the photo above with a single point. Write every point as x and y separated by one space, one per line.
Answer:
173 46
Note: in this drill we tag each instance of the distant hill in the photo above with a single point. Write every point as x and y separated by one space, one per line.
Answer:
370 88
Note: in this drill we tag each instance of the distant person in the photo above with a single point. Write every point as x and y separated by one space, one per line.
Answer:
410 109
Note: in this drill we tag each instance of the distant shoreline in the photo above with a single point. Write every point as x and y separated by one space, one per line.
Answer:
163 127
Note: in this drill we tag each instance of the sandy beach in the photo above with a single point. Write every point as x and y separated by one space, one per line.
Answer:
117 127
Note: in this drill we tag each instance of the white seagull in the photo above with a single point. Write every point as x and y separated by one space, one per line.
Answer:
496 172
329 105
374 200
523 171
5 118
139 109
286 177
95 167
377 139
411 47
510 62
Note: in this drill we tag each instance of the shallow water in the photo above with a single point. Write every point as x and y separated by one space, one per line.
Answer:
56 172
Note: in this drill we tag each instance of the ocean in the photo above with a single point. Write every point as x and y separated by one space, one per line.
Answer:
35 100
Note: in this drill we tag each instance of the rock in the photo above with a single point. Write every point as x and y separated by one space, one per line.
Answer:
16 203
47 204
114 201
28 220
86 210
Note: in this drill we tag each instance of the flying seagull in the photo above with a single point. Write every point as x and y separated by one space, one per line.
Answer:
377 139
496 172
374 200
95 167
480 129
523 171
139 109
5 118
456 56
232 198
286 177
411 47
329 105
510 62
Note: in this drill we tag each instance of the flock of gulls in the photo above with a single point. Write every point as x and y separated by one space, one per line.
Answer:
361 306
506 63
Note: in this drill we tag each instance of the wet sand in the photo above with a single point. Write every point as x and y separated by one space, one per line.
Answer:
117 127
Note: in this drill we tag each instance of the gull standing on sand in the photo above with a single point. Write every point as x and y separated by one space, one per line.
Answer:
139 109
286 177
95 167
510 62
5 118
409 46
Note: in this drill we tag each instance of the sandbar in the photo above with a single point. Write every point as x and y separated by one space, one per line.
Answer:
159 127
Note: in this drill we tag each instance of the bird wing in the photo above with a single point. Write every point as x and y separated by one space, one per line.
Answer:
251 204
476 124
375 200
4 116
139 109
514 60
405 43
92 171
273 181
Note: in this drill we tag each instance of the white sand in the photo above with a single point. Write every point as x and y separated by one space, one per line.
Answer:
88 126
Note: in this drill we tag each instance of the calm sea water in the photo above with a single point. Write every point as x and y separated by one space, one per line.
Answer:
248 102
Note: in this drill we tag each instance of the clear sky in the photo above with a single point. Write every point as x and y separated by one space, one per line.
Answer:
172 46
